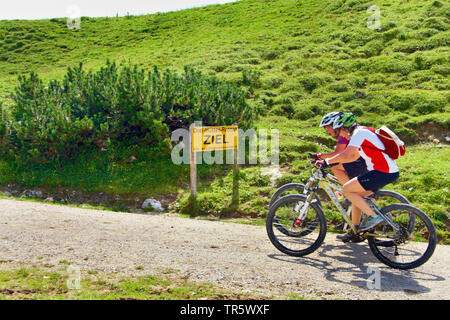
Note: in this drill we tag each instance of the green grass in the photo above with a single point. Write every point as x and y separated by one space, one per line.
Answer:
297 60
97 174
44 283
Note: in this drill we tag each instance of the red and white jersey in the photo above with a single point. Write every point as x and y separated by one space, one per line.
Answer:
369 147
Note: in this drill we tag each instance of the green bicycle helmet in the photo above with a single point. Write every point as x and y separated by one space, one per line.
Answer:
346 120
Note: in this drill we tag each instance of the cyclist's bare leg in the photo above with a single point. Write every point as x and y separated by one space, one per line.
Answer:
356 215
340 173
356 193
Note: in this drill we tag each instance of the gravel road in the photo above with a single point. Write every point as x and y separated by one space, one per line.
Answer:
229 255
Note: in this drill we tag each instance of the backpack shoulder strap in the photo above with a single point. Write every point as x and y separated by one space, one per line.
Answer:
370 129
373 131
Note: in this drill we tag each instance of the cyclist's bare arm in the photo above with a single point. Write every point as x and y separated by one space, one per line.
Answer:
349 154
338 149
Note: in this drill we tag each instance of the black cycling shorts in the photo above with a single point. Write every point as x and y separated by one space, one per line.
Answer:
355 168
375 180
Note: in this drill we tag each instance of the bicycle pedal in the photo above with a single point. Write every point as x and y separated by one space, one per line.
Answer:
357 239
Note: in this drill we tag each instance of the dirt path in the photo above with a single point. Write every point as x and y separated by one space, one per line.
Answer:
232 256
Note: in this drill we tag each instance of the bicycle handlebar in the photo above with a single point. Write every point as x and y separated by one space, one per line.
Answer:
314 158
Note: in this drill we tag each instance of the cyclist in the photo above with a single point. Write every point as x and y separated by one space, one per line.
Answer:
382 170
333 123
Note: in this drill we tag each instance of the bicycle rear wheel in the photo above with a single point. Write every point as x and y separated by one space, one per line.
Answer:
383 198
409 248
291 238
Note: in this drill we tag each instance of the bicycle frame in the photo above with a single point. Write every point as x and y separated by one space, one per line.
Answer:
331 189
327 184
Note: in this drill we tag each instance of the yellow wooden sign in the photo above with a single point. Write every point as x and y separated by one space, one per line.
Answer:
214 138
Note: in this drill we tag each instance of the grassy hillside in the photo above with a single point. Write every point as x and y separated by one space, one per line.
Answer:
297 60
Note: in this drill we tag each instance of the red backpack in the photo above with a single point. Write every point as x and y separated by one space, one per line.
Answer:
393 146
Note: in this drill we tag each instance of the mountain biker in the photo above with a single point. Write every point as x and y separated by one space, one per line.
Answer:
346 171
382 170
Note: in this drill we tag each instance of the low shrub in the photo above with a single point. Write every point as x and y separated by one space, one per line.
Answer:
313 81
114 108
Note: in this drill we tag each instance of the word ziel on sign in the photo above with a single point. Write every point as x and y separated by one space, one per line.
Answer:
214 138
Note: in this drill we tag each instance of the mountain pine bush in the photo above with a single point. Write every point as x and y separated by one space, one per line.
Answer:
113 108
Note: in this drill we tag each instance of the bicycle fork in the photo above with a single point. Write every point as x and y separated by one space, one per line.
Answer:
302 208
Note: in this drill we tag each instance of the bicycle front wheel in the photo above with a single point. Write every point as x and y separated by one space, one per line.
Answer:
290 236
409 247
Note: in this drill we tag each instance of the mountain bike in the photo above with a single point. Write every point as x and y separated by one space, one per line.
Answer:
296 225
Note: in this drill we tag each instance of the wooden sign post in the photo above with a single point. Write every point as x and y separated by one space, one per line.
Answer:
193 160
211 139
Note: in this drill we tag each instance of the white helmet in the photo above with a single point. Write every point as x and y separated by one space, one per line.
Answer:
329 119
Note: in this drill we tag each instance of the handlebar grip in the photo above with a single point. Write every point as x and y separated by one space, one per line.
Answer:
315 157
333 164
328 165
